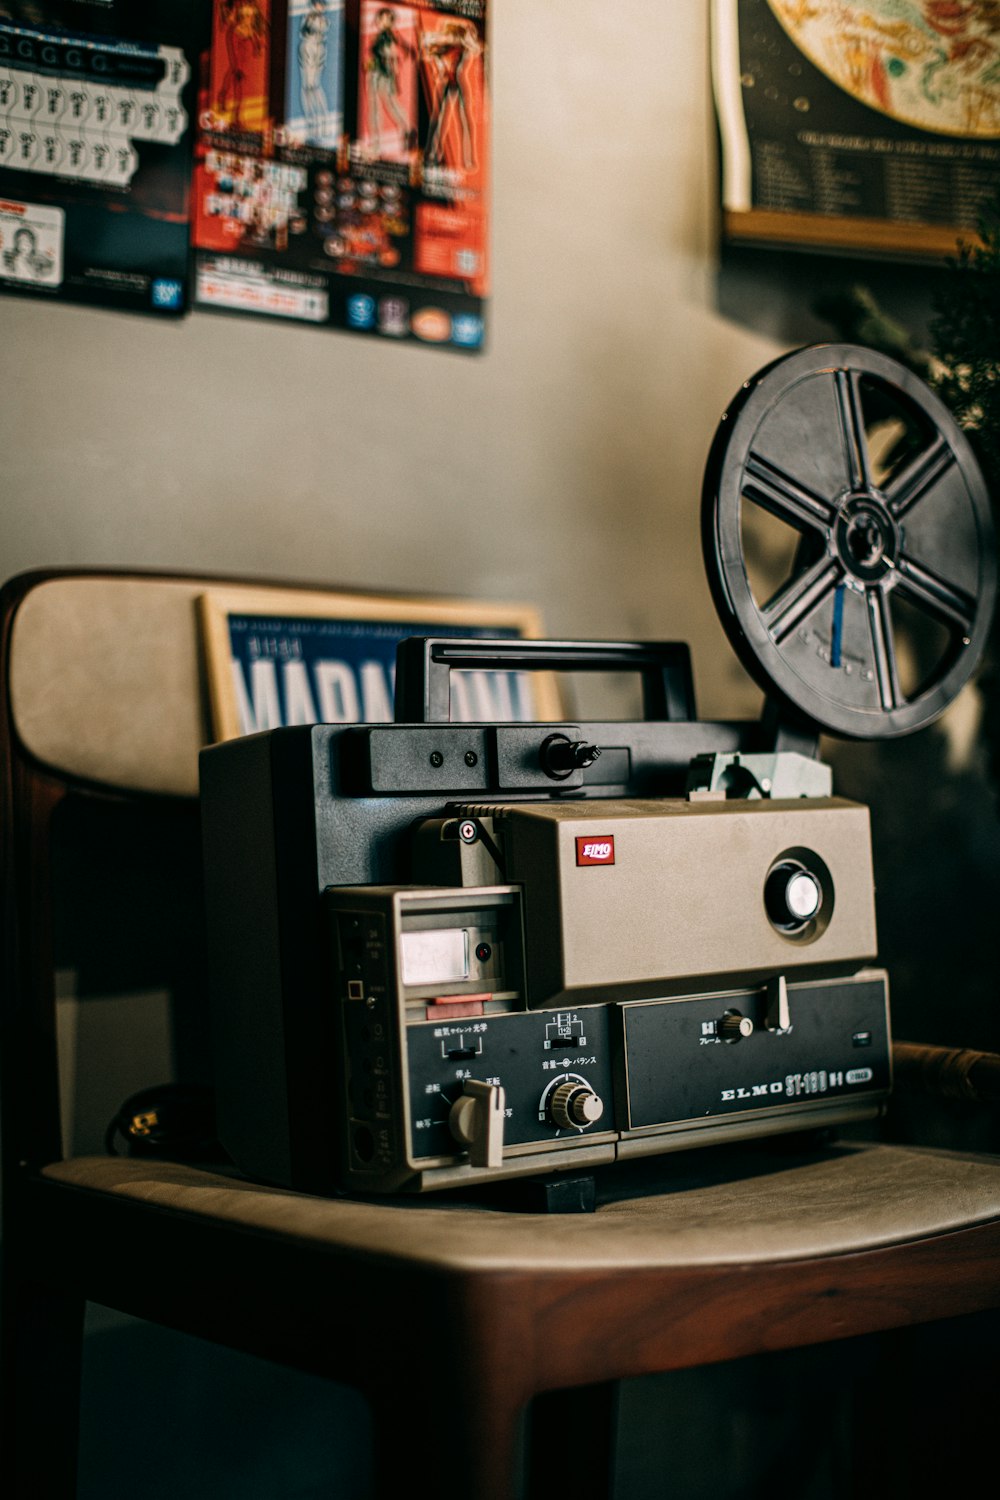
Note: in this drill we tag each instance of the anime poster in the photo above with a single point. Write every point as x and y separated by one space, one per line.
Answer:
314 114
857 123
451 227
96 102
240 57
342 166
451 69
387 83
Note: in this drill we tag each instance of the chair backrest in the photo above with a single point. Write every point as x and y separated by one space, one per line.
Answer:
103 710
103 682
101 714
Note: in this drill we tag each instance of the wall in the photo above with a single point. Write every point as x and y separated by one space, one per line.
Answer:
563 466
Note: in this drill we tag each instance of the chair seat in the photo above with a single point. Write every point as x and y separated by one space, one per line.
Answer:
755 1207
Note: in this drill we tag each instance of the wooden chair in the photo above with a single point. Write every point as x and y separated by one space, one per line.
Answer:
451 1317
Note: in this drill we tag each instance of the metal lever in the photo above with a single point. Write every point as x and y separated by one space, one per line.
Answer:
477 1119
777 1004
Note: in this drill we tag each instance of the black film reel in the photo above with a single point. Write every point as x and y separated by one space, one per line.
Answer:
849 541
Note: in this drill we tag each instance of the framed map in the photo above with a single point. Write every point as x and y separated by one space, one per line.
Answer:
857 124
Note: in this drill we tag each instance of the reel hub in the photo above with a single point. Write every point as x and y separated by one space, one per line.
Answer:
866 537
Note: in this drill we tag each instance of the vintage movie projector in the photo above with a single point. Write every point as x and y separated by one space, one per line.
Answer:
450 953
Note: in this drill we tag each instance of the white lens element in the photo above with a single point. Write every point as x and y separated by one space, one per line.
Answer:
803 896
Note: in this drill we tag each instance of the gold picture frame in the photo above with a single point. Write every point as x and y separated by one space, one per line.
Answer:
262 669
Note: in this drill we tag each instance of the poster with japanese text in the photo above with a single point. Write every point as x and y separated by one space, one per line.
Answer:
96 128
342 166
857 124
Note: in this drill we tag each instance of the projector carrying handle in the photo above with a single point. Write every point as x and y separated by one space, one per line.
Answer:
424 665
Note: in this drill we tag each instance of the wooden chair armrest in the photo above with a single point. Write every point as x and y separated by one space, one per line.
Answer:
947 1072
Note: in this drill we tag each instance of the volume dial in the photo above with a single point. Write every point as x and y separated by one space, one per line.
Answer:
574 1106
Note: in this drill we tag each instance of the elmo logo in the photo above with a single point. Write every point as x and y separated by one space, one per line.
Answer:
599 851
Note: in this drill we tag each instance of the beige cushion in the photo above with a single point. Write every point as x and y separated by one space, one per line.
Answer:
105 681
850 1198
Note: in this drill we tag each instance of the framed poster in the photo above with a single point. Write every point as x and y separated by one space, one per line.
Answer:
96 110
285 656
857 124
342 166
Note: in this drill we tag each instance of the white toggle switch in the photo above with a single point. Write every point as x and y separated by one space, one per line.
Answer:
778 1018
476 1120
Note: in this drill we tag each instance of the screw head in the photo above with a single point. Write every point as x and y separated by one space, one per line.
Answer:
471 758
436 759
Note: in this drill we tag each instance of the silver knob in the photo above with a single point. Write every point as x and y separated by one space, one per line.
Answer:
792 896
574 1105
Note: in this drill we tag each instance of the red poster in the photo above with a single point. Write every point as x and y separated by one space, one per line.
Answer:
451 54
238 90
451 222
343 166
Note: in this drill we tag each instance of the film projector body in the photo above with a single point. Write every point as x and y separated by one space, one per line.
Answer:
446 954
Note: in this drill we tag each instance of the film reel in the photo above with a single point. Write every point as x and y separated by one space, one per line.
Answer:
849 541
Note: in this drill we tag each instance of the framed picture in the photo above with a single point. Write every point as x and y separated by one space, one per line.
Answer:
287 656
856 124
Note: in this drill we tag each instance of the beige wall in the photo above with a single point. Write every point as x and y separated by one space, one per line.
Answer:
562 466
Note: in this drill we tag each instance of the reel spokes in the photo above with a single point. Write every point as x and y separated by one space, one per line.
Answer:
849 541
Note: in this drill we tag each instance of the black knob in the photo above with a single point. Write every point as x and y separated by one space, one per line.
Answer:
561 756
734 1026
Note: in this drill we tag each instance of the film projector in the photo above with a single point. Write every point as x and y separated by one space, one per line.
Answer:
446 954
